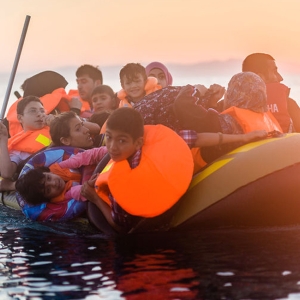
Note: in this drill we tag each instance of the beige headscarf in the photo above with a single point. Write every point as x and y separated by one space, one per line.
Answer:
246 90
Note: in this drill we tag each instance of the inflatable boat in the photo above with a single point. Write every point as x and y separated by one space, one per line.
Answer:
257 184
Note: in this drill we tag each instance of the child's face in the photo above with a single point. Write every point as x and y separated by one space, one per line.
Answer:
53 185
102 102
120 145
135 88
160 76
33 116
79 135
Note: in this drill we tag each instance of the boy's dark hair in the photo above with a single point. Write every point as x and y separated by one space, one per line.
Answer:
103 89
31 186
25 101
100 118
93 72
256 63
131 70
60 127
128 120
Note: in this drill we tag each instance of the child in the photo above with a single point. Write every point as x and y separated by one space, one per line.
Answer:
142 170
34 136
41 185
57 183
135 84
103 99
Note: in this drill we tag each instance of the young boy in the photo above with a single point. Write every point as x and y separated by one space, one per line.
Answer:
135 84
43 185
35 136
142 170
57 182
103 99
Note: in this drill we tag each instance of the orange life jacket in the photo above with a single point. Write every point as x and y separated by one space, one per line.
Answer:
86 110
71 178
250 120
150 87
50 102
30 141
161 178
199 163
277 97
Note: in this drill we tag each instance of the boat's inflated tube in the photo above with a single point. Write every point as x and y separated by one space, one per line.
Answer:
61 211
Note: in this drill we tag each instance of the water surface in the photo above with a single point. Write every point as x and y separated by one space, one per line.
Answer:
73 261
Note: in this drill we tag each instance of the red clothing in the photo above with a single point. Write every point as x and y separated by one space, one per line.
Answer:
277 100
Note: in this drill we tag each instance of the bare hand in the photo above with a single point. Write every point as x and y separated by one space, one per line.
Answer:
92 180
75 103
87 191
186 91
3 132
214 94
201 88
255 135
48 119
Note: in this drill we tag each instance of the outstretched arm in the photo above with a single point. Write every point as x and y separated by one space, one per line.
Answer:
7 167
86 158
215 139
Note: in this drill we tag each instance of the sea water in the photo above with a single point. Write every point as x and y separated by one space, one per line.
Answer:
73 261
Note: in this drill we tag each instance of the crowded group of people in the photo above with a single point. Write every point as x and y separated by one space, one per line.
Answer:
157 135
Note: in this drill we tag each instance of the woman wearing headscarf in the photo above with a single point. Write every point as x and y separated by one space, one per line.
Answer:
245 111
246 102
160 72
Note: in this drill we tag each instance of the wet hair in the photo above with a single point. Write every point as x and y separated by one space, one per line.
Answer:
100 118
93 72
127 120
25 101
31 186
60 127
131 71
256 63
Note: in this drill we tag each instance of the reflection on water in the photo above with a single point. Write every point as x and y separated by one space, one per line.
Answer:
72 261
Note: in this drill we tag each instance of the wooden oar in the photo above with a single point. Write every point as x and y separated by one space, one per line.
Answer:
14 69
